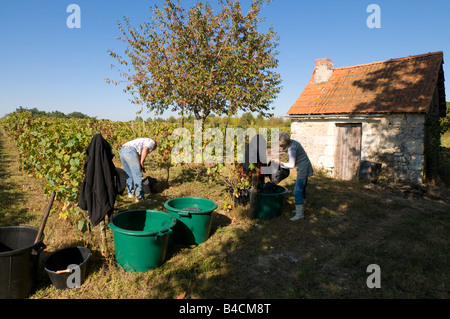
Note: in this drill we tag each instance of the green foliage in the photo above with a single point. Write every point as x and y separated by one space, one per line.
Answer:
198 62
52 149
445 121
57 114
162 131
55 149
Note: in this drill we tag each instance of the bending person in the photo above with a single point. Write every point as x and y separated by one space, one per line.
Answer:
132 156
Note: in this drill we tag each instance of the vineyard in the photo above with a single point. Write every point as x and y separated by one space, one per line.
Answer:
55 149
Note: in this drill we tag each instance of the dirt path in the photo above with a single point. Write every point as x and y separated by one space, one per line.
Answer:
21 196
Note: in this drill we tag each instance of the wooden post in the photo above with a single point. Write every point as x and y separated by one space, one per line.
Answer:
253 193
104 244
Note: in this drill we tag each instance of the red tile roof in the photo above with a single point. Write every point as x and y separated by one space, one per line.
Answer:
393 86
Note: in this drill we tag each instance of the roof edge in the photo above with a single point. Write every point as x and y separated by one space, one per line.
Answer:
394 60
332 115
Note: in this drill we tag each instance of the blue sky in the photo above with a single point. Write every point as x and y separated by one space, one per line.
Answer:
46 65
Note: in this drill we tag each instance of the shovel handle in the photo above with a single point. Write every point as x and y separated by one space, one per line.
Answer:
63 271
44 220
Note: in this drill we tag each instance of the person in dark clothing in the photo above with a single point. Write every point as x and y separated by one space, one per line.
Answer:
275 178
102 181
256 152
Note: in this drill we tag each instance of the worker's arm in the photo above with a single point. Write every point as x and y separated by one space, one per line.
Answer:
144 155
291 163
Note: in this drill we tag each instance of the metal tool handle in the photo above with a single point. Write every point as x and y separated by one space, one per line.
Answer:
44 220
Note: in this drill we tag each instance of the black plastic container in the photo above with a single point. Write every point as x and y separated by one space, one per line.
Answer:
19 258
244 196
60 260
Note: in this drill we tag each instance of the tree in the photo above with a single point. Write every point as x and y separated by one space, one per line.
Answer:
77 115
200 63
171 119
57 114
247 118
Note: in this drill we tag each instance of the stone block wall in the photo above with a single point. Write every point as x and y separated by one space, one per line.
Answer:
318 139
397 142
394 140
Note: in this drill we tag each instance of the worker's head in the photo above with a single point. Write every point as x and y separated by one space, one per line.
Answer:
285 139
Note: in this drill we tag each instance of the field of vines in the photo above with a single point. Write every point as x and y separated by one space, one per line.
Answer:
54 149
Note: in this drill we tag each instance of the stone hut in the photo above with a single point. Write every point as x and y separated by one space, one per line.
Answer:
382 114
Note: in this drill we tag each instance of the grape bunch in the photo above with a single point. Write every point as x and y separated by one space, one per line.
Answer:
192 209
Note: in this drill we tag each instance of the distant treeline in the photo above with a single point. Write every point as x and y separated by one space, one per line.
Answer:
246 119
37 113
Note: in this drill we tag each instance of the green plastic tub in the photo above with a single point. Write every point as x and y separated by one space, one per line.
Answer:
141 238
268 206
193 227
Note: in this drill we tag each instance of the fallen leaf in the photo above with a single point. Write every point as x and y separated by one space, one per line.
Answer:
182 295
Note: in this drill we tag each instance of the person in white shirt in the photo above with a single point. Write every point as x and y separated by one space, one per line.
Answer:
132 156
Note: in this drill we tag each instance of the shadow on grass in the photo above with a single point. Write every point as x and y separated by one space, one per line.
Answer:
191 173
11 212
347 227
445 166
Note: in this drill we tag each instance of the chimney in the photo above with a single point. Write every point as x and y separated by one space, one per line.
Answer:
323 71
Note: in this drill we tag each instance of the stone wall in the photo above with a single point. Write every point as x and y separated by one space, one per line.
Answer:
318 138
394 140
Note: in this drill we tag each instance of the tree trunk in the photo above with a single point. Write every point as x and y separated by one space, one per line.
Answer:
203 117
182 116
168 175
253 193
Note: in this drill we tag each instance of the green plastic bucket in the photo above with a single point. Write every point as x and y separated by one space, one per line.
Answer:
141 238
270 205
193 227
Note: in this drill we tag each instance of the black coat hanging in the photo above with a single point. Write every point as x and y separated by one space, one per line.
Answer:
102 181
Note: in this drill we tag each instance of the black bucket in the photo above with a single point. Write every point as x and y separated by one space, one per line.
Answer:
19 258
67 267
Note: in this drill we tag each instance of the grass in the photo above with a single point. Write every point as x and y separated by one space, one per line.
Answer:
445 143
348 226
445 140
